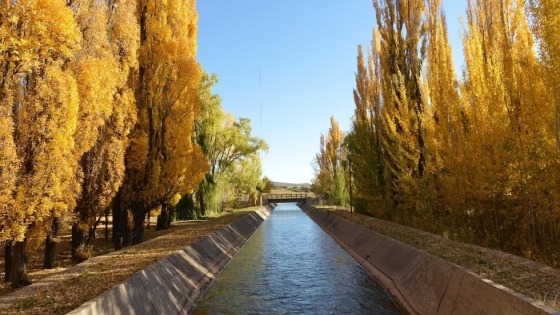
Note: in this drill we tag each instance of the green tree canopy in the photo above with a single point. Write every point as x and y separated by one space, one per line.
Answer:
225 142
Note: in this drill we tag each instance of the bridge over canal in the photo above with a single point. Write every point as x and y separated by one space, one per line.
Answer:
285 198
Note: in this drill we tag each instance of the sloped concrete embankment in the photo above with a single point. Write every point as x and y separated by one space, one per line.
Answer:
174 284
422 283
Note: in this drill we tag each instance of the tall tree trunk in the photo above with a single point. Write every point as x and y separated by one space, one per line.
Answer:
92 232
107 225
7 261
117 240
497 224
556 234
160 225
121 230
50 253
533 229
171 211
50 247
163 218
124 230
201 202
138 229
18 274
78 240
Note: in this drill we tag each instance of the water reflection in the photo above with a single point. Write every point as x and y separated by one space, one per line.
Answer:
290 266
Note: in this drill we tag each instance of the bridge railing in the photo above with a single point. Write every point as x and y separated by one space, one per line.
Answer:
285 196
274 196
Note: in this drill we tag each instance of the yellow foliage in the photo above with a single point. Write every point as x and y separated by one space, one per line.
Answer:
155 211
477 159
107 103
162 160
39 112
69 82
175 199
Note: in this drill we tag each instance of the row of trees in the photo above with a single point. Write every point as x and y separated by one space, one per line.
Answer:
475 159
67 106
98 103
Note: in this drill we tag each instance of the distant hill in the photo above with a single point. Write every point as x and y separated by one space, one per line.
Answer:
289 185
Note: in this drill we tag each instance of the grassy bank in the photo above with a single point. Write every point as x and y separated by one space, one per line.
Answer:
72 286
534 280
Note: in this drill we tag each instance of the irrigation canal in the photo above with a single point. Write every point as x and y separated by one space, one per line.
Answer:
291 266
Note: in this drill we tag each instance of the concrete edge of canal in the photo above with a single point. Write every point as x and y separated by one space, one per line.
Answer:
420 282
174 284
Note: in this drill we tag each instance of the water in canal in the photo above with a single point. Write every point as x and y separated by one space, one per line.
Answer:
291 266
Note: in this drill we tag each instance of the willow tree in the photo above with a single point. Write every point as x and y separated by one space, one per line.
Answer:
40 101
162 161
224 140
209 130
244 178
107 108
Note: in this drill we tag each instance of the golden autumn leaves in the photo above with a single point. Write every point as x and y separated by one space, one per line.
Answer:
474 159
165 161
95 97
40 101
38 97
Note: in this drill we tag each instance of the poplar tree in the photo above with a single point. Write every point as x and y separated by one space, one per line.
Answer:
330 178
498 53
364 140
401 29
546 17
336 156
321 180
40 101
546 25
486 146
107 108
162 160
444 129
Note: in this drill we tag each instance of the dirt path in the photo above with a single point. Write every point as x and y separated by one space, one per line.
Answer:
68 287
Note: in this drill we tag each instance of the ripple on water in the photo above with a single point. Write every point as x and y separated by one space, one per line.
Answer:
291 266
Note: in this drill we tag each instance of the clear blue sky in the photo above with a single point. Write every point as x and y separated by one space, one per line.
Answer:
306 51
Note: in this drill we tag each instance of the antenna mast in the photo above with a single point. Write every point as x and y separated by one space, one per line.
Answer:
260 99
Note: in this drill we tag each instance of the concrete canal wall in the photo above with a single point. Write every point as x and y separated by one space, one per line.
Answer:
422 283
174 284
